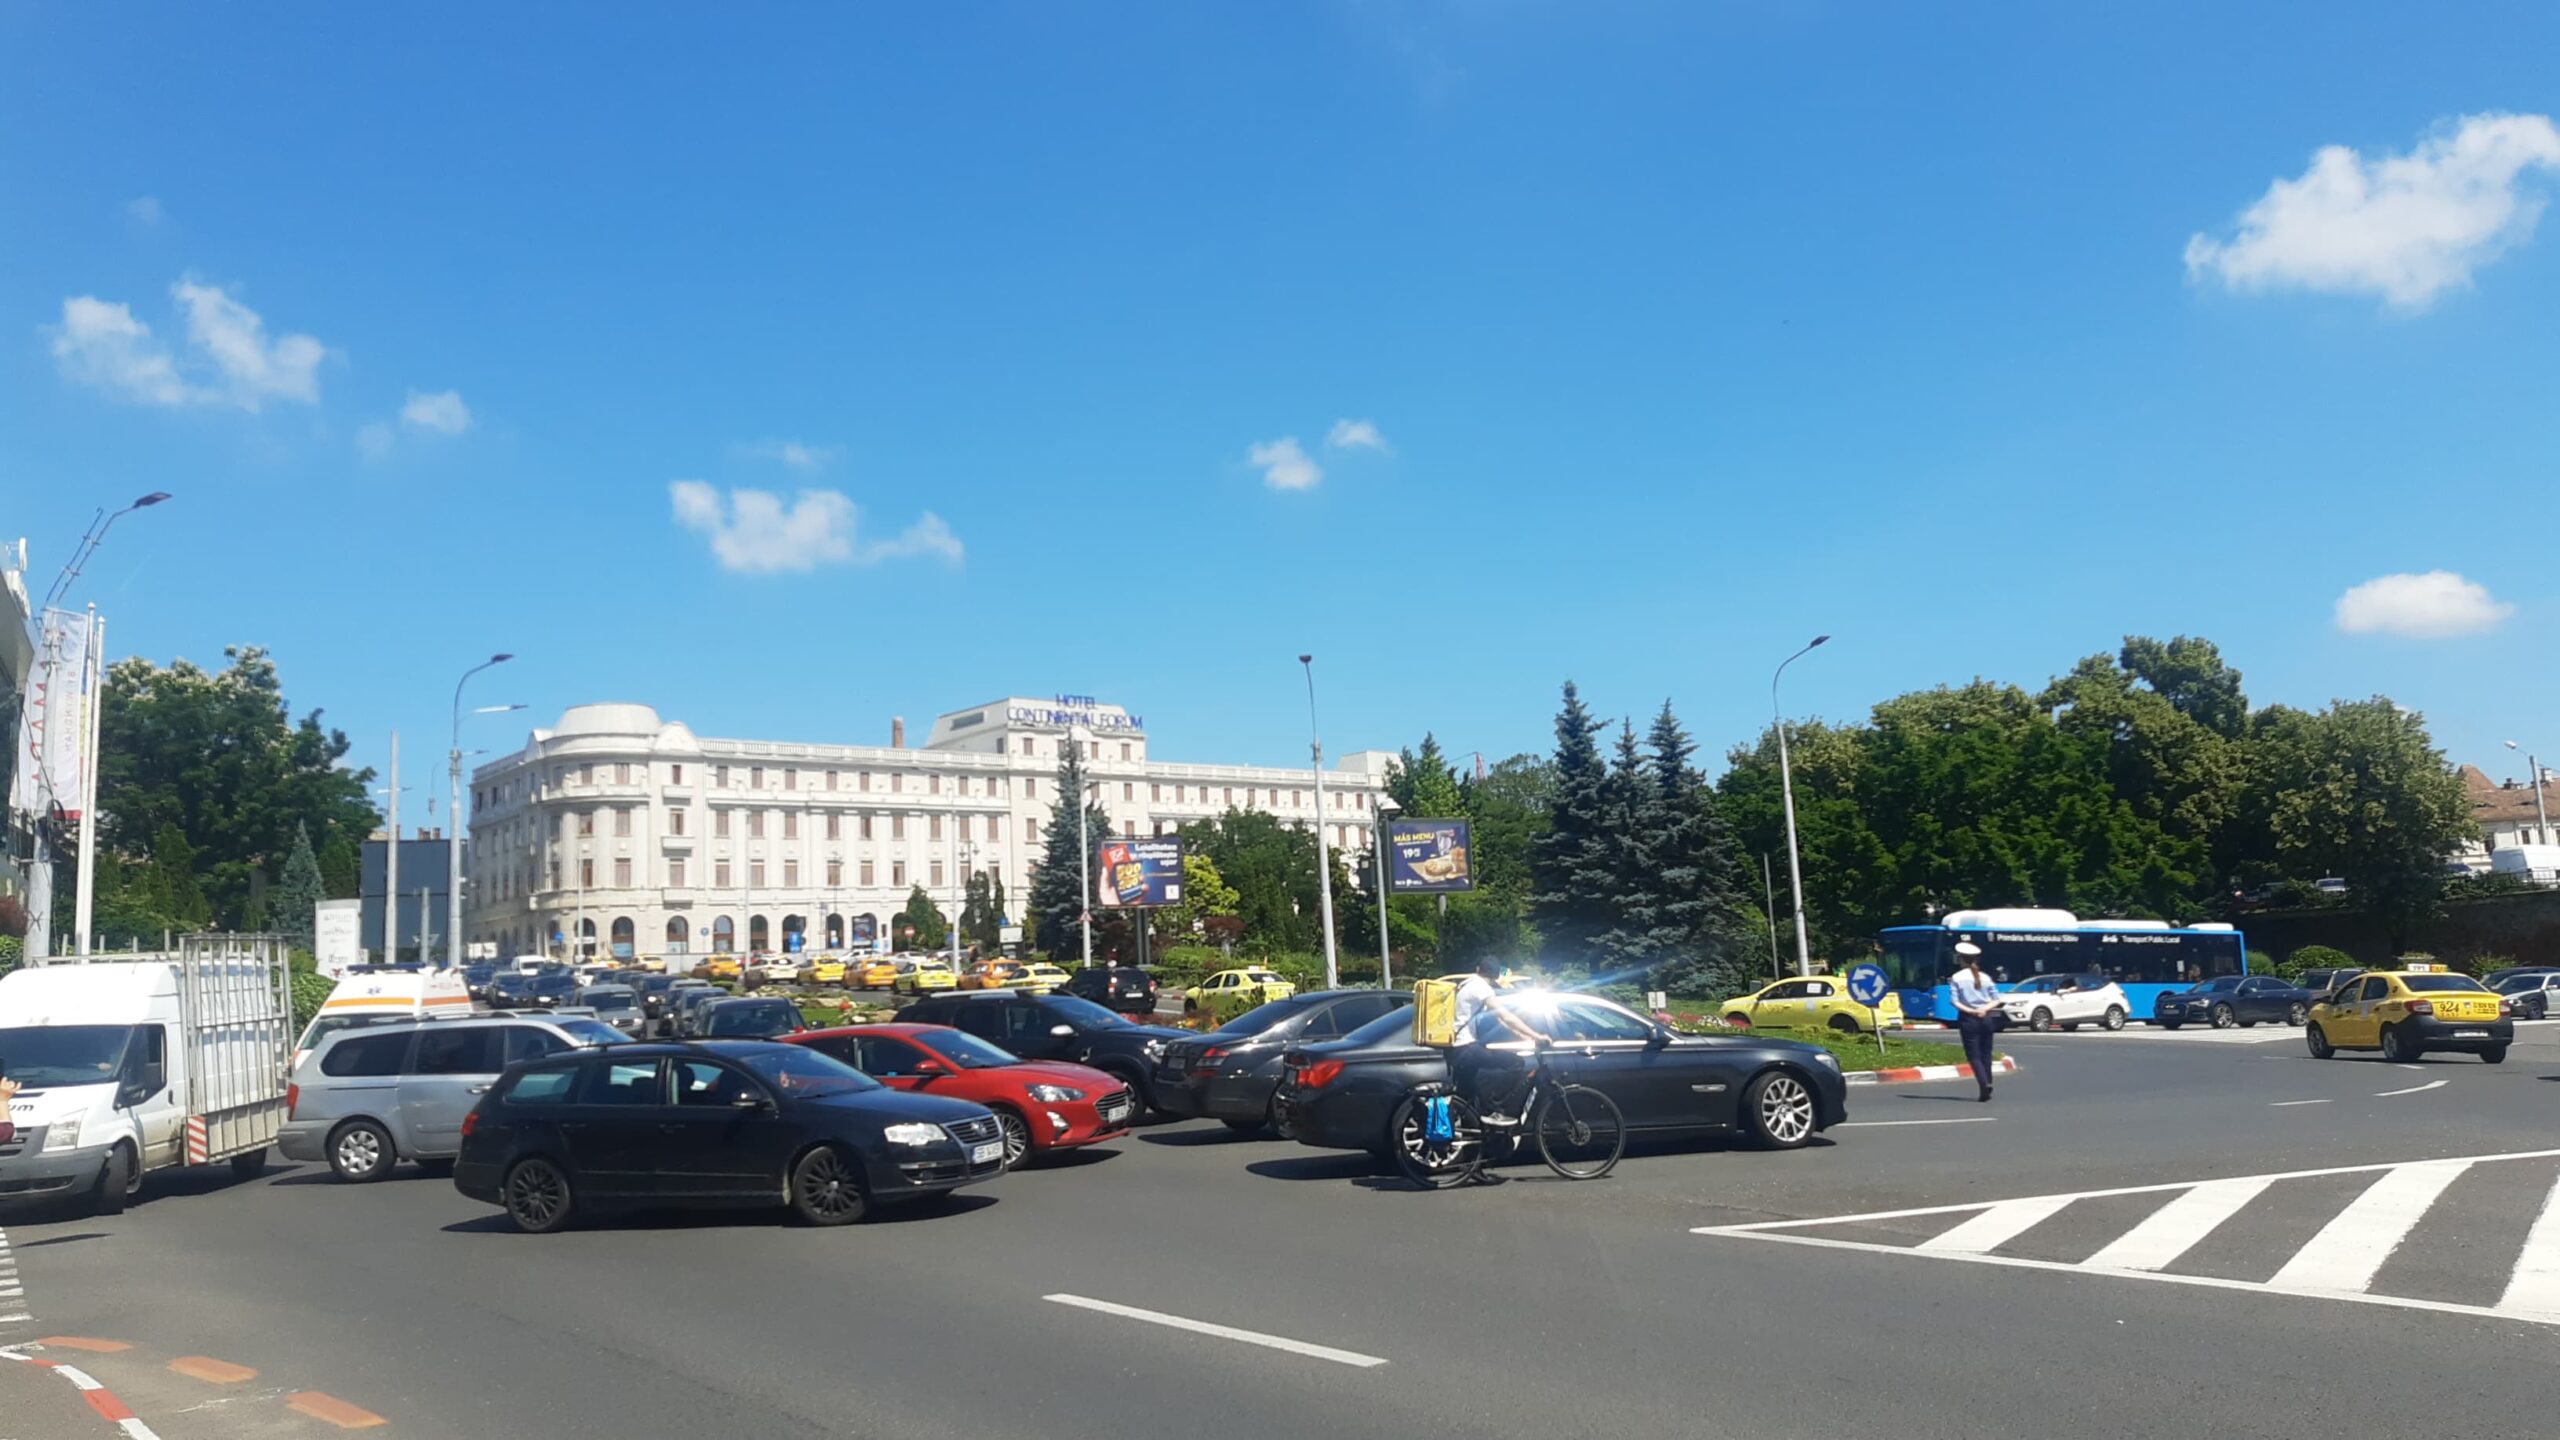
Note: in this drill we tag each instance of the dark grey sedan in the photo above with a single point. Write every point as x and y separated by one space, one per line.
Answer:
1233 1073
2229 1000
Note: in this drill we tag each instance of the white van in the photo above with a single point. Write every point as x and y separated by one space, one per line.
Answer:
385 995
128 1067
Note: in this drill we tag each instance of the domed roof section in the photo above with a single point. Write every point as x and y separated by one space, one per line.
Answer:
607 719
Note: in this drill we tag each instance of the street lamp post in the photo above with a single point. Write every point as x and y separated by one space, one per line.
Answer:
453 825
1386 967
1787 787
1324 856
2541 815
1084 850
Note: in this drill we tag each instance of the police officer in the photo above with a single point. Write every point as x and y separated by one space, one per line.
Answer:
1977 1008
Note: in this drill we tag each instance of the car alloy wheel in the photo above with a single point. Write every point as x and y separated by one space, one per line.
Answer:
537 1197
360 1152
2041 1020
1781 1110
2318 1040
2115 1017
825 1190
2223 1019
2394 1048
2296 1013
1017 1138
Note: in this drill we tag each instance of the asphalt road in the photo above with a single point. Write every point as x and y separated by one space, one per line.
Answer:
1533 1308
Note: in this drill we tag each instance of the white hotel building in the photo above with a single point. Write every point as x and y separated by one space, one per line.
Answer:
646 839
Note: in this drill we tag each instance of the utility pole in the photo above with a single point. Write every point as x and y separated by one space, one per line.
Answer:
1386 964
391 866
93 693
1324 856
1084 850
1787 787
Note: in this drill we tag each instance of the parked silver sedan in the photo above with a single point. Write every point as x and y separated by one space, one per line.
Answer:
370 1098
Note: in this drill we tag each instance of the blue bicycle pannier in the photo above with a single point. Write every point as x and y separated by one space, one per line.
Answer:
1436 1124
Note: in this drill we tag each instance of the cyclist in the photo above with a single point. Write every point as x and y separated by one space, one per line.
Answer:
1489 1079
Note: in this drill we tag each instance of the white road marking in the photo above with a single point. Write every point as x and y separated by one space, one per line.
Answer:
1880 1124
2412 1090
2352 1246
1997 1226
2280 1104
2533 1288
2174 1228
1223 1332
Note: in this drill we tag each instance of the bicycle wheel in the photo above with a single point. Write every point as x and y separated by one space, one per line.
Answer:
1436 1164
1580 1133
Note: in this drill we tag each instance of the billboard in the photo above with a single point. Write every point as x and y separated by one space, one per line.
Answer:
1137 873
335 944
1428 857
53 723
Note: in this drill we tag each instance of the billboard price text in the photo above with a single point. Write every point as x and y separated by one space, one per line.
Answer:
1428 857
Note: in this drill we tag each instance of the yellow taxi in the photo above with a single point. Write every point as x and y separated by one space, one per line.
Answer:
2406 1013
918 975
718 967
1230 993
1039 978
990 975
1813 1002
877 973
829 970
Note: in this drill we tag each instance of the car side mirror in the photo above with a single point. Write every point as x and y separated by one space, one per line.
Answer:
1662 1035
1062 1032
756 1103
927 1069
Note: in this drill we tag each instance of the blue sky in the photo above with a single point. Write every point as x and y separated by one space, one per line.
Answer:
1682 331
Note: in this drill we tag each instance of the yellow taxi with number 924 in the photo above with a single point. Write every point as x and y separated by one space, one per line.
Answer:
2406 1013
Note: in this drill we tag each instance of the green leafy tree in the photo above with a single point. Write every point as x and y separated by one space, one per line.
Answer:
341 871
297 899
923 922
1205 893
1057 899
1573 865
1270 865
1423 785
2360 791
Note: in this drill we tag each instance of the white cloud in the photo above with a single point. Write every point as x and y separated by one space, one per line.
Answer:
101 345
143 210
228 359
753 532
2426 607
232 336
795 454
1356 435
441 413
2405 227
374 442
1284 466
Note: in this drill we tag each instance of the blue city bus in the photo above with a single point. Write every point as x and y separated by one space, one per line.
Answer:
2148 958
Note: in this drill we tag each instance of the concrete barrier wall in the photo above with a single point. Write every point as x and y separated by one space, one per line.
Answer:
2523 928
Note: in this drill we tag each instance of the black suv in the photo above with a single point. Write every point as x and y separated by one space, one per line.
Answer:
1125 988
1056 1027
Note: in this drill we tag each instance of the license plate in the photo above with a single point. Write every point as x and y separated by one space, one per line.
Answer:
981 1154
2470 1034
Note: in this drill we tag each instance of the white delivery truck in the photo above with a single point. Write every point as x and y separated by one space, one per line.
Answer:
2534 864
124 1067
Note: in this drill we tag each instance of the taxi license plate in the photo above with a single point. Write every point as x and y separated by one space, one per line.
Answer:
2470 1034
981 1154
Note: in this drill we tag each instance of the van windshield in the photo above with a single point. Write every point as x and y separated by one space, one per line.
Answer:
37 1056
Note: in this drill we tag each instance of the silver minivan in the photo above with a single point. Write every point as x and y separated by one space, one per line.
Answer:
370 1098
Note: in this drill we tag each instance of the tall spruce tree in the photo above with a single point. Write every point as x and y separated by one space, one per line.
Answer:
1057 892
297 898
1622 951
1572 868
1423 784
1693 912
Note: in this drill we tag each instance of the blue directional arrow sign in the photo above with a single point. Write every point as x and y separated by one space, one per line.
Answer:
1867 985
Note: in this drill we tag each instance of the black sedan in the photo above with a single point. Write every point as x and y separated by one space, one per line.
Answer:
509 990
1056 1027
1342 1095
1124 988
1234 1072
722 1124
2228 1000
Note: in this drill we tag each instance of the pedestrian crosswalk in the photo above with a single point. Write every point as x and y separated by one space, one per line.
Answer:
13 1292
2473 1235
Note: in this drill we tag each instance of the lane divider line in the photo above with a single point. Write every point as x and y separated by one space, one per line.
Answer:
2412 1090
1222 1332
1881 1124
2280 1104
100 1398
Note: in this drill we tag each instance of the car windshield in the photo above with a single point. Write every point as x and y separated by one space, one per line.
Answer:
590 1032
615 999
798 1072
1263 1017
36 1056
757 1019
968 1051
2440 983
1083 1012
1262 977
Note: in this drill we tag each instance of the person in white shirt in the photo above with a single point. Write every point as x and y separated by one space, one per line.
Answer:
1977 1004
1489 1079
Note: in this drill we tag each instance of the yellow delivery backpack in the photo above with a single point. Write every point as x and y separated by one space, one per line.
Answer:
1435 1013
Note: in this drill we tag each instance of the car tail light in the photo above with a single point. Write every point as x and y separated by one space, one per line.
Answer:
292 1098
1209 1058
2422 1007
470 1122
1320 1074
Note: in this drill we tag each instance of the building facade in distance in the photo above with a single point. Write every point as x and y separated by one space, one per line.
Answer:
619 833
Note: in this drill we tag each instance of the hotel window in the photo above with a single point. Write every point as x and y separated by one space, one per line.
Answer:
933 783
1128 790
586 822
1030 788
1124 749
933 827
898 874
835 873
1026 744
586 774
936 880
1231 793
991 828
1129 828
1030 829
790 824
897 827
866 827
790 874
866 779
675 774
587 874
720 874
755 824
790 778
675 872
1360 801
755 874
720 777
866 872
1156 792
621 773
897 784
622 821
835 827
1093 749
555 874
621 874
831 779
720 824
755 777
675 821
1275 797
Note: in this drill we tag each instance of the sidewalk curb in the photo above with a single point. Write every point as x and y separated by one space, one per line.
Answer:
100 1398
1912 1074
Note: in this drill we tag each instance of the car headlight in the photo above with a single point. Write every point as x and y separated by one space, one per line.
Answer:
1054 1094
1154 1048
62 1134
912 1133
1827 1058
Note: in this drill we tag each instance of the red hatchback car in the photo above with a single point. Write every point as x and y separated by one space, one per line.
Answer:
1042 1104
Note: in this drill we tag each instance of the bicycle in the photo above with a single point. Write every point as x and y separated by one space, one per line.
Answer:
1579 1132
